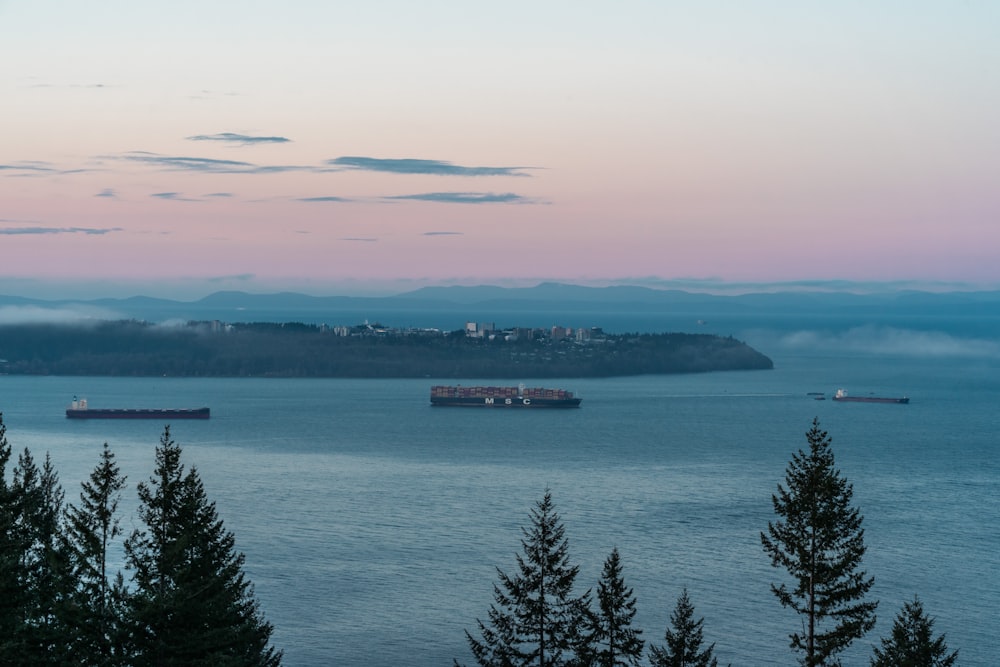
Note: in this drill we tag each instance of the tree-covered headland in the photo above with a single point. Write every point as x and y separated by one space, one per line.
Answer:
215 349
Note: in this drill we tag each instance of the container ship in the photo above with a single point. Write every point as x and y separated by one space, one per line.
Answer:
79 409
843 397
503 397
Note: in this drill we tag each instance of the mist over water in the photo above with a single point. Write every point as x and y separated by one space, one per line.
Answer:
373 523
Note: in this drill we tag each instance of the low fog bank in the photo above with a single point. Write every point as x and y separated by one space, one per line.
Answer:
879 340
67 315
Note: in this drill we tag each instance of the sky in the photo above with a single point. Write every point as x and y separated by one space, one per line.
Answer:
179 148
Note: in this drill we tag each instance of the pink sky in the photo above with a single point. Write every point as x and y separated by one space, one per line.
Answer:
180 148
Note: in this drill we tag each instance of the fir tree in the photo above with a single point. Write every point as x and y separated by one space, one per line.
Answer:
41 571
13 545
536 620
91 528
615 643
683 647
191 603
819 541
911 643
46 574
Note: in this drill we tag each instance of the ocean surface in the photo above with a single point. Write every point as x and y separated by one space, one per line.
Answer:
373 524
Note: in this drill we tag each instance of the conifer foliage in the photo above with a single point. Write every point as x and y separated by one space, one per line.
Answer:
192 604
188 602
536 619
683 647
615 642
47 577
911 643
819 541
34 574
11 547
91 528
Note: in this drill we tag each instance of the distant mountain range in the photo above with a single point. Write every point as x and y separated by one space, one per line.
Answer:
545 298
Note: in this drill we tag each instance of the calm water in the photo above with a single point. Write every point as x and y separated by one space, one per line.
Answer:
372 524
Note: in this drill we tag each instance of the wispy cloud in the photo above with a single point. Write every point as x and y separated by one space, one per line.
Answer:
172 196
206 165
29 166
219 195
238 139
323 199
92 231
69 85
359 239
442 234
210 94
237 277
414 166
108 193
466 198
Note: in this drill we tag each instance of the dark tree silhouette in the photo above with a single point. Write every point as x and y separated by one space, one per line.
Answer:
536 620
90 529
615 643
13 597
48 581
819 541
683 647
911 643
192 604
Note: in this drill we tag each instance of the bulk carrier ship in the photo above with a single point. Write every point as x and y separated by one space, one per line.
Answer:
843 397
502 397
79 409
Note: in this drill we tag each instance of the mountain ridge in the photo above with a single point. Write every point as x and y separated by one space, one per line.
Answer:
240 306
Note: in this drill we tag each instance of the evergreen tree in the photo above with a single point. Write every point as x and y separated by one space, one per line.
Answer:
91 528
683 647
911 644
36 574
819 541
46 574
191 603
13 545
536 619
615 642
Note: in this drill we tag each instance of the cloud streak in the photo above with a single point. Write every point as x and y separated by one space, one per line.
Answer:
238 139
237 277
32 167
89 231
330 198
207 165
171 196
415 166
466 198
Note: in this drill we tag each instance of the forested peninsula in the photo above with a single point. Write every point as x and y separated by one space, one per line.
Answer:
215 349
